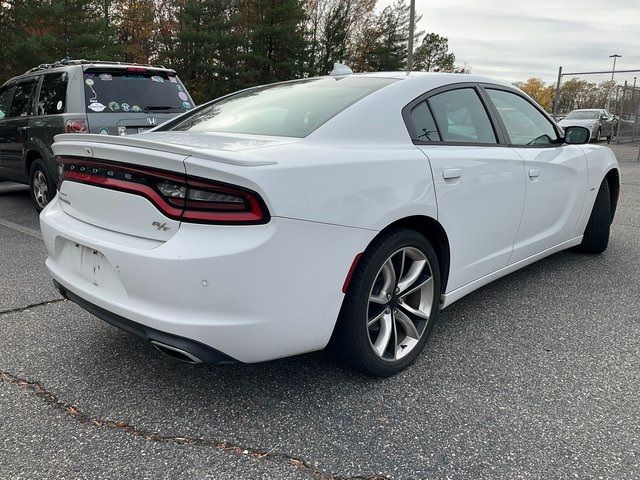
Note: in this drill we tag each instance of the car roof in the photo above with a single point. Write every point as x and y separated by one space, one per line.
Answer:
64 65
433 77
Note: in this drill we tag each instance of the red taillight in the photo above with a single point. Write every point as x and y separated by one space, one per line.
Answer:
177 196
78 125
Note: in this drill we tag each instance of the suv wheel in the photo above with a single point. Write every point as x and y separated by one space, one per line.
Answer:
40 185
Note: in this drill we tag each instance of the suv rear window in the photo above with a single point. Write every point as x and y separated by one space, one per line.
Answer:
134 91
53 94
291 109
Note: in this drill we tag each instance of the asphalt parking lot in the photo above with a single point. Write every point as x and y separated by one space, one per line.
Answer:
534 376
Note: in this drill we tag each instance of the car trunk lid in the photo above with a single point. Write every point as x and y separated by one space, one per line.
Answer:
96 189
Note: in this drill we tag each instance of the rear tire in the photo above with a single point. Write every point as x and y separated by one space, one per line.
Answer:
596 235
397 282
41 186
596 139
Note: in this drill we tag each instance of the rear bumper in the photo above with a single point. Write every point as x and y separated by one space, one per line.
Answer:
197 350
251 293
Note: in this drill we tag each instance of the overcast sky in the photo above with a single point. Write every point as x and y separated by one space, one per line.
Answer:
518 39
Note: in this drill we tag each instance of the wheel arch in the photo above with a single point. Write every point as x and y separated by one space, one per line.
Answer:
31 156
613 179
437 236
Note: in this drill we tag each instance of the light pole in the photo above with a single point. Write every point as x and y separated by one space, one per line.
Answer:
412 27
615 56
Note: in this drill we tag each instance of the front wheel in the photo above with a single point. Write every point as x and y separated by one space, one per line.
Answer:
391 305
40 185
596 235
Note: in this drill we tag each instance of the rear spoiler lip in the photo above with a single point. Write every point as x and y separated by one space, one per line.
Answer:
217 155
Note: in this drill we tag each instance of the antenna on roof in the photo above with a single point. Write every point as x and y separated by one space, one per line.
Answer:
340 69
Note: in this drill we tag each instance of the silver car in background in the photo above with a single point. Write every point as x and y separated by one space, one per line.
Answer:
598 120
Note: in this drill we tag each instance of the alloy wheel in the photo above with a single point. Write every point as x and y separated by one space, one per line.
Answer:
400 303
40 189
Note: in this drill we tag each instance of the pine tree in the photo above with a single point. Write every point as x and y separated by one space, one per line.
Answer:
433 55
275 47
207 47
44 31
335 32
389 50
135 23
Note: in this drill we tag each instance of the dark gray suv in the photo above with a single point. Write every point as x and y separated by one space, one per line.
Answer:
78 96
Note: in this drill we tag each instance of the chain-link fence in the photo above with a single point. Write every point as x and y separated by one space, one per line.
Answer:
608 103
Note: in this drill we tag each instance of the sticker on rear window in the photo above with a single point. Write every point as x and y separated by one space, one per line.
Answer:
158 79
106 77
89 82
97 107
183 96
136 108
59 105
186 104
126 107
114 106
173 79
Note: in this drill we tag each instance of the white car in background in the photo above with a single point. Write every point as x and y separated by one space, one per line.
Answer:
346 209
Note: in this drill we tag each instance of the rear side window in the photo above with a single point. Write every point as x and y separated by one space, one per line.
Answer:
291 109
461 117
134 90
22 103
524 122
424 123
5 100
53 94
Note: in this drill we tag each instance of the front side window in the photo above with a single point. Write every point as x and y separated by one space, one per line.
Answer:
5 100
461 117
53 94
525 124
22 100
292 109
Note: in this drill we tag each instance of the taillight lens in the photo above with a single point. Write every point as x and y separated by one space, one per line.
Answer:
177 196
77 125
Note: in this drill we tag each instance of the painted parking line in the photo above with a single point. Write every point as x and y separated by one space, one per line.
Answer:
19 228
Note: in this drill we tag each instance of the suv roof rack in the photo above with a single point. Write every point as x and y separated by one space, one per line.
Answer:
68 61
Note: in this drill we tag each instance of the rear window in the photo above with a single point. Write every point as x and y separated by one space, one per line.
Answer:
124 91
53 94
292 109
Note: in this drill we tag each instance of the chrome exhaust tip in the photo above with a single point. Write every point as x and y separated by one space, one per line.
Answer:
176 353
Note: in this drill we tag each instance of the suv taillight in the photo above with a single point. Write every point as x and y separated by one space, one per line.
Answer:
177 196
76 125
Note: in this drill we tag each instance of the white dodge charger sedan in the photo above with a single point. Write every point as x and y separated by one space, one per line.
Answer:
343 210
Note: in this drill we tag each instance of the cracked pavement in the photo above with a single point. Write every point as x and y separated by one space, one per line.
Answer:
534 376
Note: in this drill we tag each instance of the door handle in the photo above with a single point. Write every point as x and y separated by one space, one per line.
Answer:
451 173
534 173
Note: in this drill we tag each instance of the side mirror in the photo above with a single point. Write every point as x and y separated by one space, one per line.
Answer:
577 135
